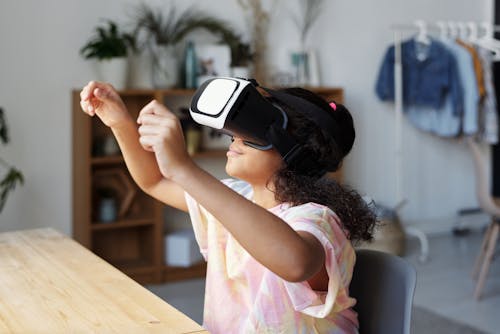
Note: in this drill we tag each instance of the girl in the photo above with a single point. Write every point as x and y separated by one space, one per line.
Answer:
277 240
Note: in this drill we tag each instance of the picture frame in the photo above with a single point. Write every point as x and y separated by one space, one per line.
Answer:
214 60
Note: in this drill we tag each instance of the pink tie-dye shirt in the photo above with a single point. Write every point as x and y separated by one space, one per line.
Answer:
243 296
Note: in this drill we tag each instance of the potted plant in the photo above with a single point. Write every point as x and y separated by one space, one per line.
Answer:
163 32
13 177
109 47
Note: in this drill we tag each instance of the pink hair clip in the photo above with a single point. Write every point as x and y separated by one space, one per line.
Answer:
333 105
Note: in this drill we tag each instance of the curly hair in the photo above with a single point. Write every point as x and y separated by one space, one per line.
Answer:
328 150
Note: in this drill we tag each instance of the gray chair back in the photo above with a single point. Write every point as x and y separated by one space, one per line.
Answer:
383 285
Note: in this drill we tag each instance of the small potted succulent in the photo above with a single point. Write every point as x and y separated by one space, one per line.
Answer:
109 47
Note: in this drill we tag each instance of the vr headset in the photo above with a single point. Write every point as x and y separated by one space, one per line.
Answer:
235 107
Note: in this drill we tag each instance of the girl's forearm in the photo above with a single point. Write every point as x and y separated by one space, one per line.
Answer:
140 163
265 236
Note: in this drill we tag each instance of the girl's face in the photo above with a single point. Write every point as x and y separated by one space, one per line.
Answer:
252 165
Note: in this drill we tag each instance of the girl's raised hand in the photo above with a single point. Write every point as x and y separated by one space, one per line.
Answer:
101 99
160 132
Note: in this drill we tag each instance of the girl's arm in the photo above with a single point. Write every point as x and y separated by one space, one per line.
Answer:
102 100
143 167
294 256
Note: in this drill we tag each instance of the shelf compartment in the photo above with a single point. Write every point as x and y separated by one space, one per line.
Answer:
132 202
126 248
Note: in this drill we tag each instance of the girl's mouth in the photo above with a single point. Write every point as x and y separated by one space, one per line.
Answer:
233 152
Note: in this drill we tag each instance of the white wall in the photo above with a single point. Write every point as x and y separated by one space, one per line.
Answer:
40 65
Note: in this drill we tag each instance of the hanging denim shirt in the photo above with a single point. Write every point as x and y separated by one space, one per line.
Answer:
444 121
427 80
469 85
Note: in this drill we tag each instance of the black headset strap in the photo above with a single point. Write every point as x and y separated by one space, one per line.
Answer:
319 116
284 143
293 154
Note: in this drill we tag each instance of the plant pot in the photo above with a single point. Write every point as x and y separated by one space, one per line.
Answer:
139 73
113 71
165 66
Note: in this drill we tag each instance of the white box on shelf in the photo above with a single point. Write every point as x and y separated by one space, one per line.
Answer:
181 248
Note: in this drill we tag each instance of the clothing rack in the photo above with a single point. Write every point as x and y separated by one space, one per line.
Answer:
398 29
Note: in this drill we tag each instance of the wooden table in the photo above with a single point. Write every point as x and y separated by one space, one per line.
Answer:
51 284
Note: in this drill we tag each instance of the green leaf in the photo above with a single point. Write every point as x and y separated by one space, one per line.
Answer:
4 134
108 42
14 176
8 184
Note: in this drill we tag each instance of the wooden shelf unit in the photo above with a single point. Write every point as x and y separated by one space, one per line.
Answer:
133 243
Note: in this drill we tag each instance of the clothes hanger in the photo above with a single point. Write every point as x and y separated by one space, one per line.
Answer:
443 30
473 32
462 31
488 42
453 29
422 36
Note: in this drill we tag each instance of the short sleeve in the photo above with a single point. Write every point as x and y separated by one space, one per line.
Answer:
201 218
324 225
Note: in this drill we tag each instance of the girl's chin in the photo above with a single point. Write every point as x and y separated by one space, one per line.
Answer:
233 171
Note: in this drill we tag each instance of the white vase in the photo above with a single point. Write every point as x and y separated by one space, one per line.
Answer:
139 70
165 66
113 71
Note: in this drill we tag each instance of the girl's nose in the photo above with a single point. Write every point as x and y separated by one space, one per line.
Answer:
236 139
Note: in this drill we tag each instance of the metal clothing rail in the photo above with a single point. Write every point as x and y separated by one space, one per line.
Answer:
398 105
398 29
